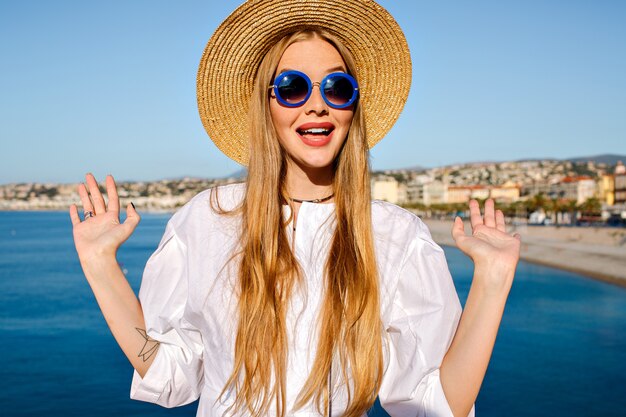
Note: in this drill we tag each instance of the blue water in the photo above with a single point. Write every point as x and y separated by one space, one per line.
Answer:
561 349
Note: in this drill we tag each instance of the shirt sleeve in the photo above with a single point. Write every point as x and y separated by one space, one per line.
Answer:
175 377
424 317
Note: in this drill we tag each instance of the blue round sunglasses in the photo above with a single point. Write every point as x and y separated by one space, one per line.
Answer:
293 88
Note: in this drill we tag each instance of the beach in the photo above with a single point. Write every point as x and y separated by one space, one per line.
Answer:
596 252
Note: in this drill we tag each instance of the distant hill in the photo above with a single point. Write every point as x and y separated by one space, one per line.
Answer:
242 173
416 168
413 168
609 159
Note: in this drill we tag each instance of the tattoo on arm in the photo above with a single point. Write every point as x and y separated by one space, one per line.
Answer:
149 348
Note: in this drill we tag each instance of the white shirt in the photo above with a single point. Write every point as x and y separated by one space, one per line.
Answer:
188 299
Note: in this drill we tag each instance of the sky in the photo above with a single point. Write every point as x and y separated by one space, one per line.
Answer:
109 87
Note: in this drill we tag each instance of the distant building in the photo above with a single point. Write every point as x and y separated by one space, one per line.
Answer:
480 192
414 192
435 192
388 189
620 188
619 184
578 188
426 191
540 187
606 189
415 188
464 193
507 193
459 194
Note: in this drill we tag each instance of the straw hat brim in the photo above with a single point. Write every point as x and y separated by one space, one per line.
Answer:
232 56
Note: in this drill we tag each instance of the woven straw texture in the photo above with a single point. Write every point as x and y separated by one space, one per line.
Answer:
230 60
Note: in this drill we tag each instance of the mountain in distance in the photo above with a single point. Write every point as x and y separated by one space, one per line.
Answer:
413 168
237 174
241 173
416 168
609 159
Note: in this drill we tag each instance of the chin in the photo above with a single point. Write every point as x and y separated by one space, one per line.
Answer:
317 164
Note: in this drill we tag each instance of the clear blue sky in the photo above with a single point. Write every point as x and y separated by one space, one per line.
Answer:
109 87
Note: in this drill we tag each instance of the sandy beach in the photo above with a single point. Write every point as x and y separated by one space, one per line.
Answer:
595 252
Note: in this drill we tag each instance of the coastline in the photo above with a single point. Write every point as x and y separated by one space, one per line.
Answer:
595 252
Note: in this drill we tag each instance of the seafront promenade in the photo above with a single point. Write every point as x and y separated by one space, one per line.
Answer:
596 252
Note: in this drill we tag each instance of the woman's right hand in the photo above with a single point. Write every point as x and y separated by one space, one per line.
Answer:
102 234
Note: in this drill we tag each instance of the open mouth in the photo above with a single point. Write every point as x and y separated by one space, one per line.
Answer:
315 132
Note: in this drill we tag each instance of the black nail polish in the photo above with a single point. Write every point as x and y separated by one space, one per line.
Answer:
131 203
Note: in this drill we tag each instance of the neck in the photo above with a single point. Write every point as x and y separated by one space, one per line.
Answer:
309 185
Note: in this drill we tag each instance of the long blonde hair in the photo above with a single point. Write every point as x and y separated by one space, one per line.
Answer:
351 328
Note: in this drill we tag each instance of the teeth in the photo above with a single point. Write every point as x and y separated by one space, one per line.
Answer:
316 131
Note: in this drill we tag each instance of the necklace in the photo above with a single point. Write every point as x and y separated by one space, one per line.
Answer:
315 200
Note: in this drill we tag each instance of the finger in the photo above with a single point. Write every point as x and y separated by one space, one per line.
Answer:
114 201
132 218
84 198
517 236
500 225
490 215
475 217
96 196
458 229
74 215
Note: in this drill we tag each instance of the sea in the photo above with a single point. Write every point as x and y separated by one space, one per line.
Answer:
560 350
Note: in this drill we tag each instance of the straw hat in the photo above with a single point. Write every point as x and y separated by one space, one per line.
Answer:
230 60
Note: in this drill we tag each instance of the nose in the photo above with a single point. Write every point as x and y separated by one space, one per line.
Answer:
316 103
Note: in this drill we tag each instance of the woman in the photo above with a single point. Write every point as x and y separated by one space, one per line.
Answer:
294 293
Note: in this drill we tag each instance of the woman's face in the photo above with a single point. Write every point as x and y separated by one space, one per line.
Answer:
308 151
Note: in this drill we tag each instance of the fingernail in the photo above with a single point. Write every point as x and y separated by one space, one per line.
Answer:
131 203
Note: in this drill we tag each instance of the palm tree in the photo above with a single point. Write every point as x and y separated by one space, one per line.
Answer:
536 202
591 207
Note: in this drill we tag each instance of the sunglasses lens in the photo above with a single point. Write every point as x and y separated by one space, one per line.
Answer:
338 90
293 88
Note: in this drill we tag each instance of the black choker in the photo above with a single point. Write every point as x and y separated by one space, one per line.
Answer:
315 200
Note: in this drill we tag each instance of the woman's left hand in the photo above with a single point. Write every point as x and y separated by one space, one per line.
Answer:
495 253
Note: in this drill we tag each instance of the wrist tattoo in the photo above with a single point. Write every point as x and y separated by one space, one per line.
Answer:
150 346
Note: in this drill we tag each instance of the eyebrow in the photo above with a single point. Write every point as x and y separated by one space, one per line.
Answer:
333 69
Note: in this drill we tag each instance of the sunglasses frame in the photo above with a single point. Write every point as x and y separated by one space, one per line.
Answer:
355 86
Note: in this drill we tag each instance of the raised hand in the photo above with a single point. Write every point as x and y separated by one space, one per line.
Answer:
495 253
97 239
100 234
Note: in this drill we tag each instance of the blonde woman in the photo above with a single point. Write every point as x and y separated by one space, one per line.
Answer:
294 294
